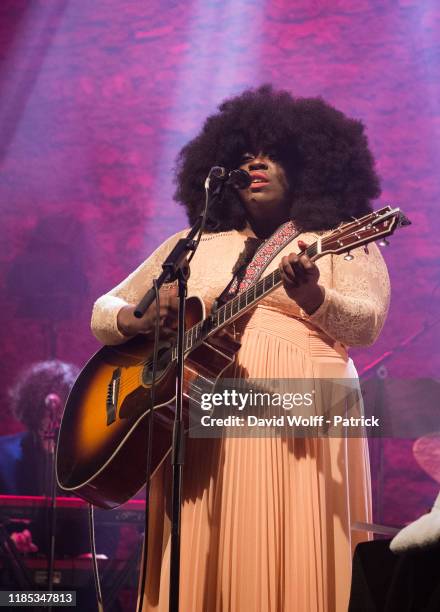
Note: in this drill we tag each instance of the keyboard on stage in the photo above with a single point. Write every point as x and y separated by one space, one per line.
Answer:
27 506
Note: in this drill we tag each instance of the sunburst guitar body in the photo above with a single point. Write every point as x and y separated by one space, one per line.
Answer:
102 446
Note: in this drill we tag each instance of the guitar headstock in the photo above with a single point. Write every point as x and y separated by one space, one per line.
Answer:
374 226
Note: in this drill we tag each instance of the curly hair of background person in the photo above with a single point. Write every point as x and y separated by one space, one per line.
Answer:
33 386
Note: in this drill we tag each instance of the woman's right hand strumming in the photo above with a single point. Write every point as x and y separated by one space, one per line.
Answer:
129 325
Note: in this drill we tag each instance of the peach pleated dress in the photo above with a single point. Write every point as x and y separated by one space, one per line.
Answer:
266 522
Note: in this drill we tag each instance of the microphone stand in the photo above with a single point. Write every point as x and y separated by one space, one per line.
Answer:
178 449
175 261
52 439
376 365
175 267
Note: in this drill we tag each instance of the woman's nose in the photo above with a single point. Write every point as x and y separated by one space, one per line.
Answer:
258 163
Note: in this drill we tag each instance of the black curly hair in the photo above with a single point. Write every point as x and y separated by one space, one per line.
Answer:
328 164
35 383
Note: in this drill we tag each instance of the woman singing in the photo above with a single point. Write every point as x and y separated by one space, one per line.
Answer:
266 521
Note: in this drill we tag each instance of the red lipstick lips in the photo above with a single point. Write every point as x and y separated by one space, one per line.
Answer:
258 179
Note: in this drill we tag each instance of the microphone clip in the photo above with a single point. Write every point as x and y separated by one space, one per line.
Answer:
218 177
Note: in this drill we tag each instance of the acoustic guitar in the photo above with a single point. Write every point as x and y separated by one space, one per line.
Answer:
102 446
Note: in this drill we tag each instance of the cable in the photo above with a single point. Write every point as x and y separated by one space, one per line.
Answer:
94 560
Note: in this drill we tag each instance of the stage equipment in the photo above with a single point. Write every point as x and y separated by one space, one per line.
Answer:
219 176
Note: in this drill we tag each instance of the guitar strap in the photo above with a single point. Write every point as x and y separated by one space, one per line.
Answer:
259 262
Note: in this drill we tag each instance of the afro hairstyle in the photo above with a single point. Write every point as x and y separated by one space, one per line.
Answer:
35 383
329 167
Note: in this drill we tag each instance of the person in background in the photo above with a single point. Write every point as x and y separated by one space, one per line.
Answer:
26 458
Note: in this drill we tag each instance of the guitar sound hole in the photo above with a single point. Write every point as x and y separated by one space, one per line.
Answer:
163 361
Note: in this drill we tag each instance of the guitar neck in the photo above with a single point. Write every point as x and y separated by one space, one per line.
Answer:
247 299
237 306
347 236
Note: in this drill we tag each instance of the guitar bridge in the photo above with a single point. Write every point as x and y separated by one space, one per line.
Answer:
112 396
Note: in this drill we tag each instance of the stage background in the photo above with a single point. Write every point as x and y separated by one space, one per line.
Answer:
98 97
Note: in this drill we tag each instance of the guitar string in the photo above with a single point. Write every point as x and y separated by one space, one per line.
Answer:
197 329
242 301
220 318
255 292
258 290
195 333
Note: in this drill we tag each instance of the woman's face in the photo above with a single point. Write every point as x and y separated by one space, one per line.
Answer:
268 193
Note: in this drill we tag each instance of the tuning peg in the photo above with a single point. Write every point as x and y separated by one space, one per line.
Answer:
348 256
383 242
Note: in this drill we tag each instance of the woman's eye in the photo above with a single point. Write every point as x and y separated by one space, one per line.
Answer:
247 156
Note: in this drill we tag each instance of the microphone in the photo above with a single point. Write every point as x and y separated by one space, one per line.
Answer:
239 179
53 402
51 419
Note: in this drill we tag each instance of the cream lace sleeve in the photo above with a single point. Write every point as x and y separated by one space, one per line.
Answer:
106 308
356 305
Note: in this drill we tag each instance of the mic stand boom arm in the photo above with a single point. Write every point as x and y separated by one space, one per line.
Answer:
175 261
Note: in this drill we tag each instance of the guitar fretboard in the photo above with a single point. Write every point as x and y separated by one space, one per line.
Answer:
347 236
235 307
